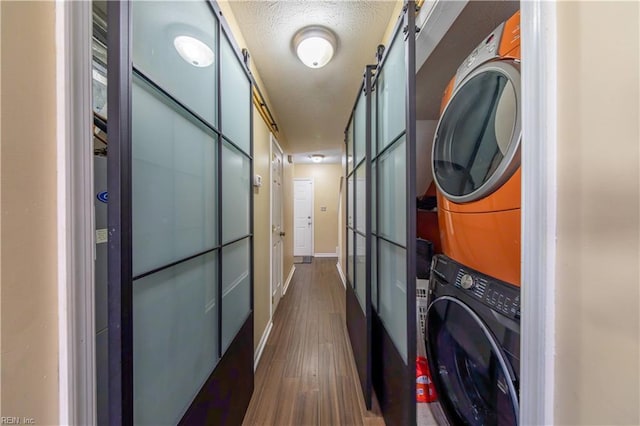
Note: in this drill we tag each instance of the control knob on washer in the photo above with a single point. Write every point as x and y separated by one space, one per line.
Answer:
467 281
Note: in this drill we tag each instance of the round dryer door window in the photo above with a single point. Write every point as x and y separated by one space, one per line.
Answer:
473 380
477 142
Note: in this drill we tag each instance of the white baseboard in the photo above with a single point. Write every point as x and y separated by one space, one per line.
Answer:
288 281
261 345
342 277
325 255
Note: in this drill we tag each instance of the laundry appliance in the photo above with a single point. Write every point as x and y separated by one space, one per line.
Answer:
476 157
473 345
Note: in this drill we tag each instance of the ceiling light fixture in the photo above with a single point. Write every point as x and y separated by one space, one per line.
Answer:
317 158
193 51
315 46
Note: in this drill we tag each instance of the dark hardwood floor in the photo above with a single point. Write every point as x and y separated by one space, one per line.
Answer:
307 375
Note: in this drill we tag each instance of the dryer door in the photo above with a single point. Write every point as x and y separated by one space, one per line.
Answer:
477 143
475 384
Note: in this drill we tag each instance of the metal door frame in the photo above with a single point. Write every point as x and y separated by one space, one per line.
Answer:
120 265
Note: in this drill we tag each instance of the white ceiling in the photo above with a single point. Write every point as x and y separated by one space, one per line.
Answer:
331 156
312 106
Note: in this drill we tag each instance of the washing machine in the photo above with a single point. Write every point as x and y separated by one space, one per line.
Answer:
476 157
473 345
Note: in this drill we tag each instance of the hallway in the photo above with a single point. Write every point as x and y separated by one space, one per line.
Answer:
307 375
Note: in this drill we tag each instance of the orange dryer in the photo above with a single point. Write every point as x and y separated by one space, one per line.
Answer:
476 157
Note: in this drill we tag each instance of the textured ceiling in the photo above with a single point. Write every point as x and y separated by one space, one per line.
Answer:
312 106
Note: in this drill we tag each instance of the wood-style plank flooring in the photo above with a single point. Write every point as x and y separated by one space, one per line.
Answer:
307 374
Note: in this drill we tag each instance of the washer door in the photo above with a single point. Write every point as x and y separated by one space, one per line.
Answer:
477 143
473 380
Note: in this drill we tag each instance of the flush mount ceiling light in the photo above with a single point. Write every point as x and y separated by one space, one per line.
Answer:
315 46
193 51
317 158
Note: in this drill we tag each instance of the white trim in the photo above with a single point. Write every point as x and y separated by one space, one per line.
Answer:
273 141
325 255
289 278
270 226
65 371
76 326
539 191
342 277
313 223
434 20
261 345
313 216
1 352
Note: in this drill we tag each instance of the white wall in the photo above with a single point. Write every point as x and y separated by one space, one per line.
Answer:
326 187
425 130
262 229
597 277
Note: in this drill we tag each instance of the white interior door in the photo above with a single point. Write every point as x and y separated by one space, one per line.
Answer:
277 232
303 217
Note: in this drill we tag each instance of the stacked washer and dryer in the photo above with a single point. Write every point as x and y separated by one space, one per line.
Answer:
473 319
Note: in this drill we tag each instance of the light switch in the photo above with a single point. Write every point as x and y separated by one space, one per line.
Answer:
257 180
323 209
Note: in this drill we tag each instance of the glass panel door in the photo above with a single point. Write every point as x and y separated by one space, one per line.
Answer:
174 212
358 306
393 236
392 194
180 209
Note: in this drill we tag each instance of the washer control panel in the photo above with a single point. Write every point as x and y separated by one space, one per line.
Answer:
466 281
498 295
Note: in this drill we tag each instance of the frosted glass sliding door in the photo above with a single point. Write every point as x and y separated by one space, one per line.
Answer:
361 271
360 123
163 33
392 271
180 209
174 182
350 258
357 186
361 284
236 289
393 236
391 195
236 194
358 307
391 96
236 98
175 326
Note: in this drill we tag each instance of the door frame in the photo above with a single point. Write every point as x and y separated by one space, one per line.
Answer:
75 252
76 391
274 142
75 222
313 222
539 211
